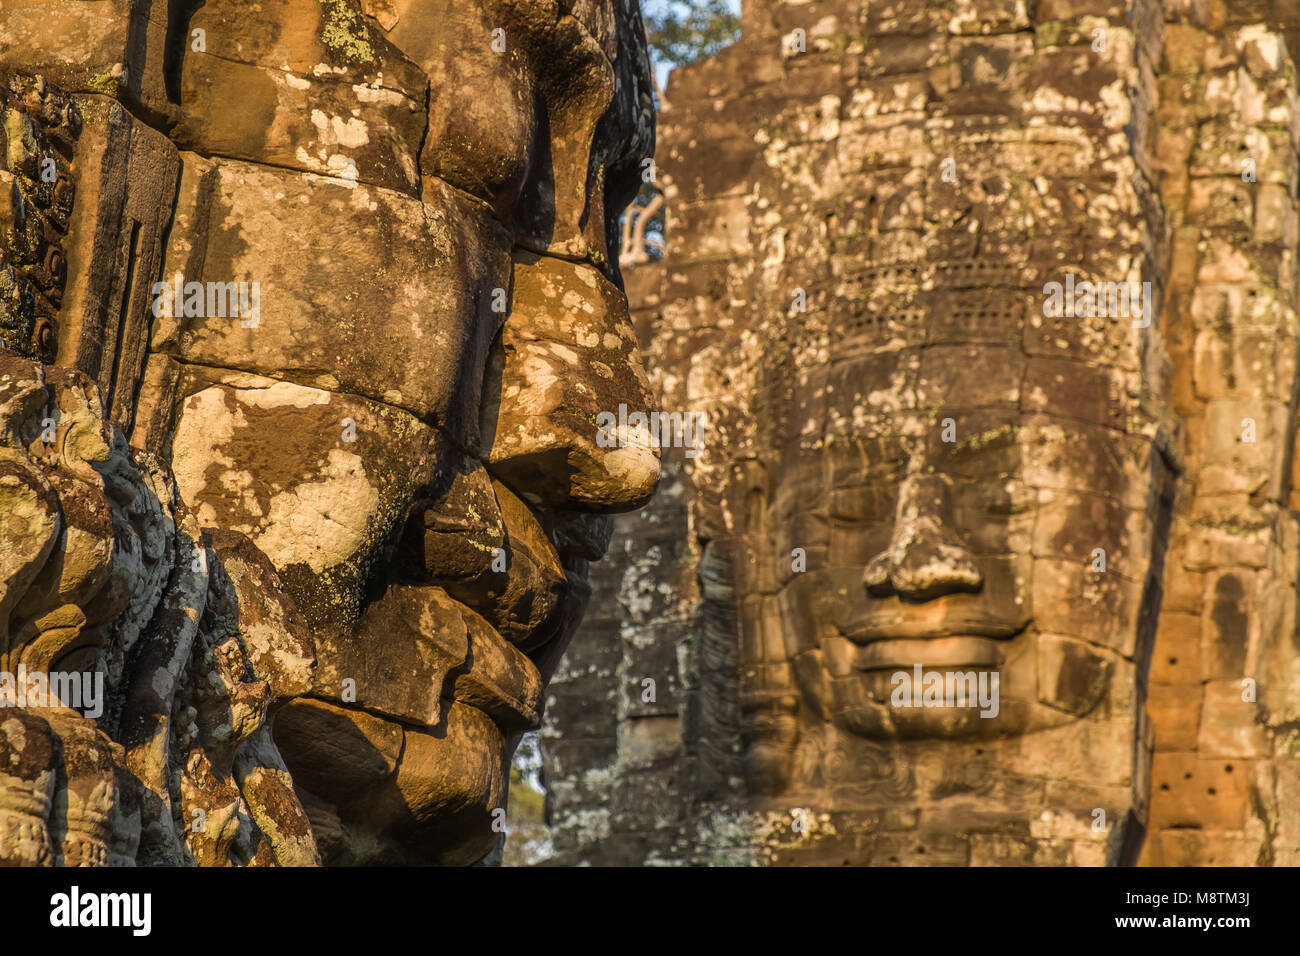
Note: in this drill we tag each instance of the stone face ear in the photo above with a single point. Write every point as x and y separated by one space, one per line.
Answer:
76 285
39 135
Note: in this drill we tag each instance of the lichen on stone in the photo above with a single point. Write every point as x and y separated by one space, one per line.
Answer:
344 33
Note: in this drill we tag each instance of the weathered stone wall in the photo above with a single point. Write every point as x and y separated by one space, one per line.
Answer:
1224 772
1109 138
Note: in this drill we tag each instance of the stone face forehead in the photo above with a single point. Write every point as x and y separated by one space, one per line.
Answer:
1051 450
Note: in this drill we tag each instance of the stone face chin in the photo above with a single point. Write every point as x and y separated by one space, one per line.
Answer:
303 332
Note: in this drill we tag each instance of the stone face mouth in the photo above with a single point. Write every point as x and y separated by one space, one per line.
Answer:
945 652
919 628
507 687
501 674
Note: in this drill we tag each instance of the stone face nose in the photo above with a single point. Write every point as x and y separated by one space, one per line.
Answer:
925 558
566 365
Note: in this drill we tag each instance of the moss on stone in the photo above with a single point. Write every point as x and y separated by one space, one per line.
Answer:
106 83
1226 526
984 439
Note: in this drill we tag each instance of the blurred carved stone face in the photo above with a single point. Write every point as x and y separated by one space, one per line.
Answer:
969 554
975 490
407 427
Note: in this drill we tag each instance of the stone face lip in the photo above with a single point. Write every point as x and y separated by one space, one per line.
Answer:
897 622
933 652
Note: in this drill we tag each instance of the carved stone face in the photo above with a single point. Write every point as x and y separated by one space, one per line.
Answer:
958 482
407 428
974 555
341 270
930 548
